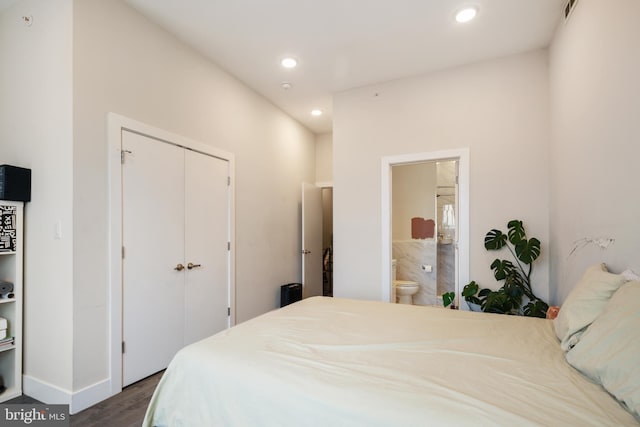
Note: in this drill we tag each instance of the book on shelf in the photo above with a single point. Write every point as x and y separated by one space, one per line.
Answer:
6 342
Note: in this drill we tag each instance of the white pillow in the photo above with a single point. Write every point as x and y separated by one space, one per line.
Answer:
609 350
629 274
584 303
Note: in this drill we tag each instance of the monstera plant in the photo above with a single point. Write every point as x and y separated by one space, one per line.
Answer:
448 299
516 290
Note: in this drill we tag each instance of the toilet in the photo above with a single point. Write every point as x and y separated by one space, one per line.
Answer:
403 290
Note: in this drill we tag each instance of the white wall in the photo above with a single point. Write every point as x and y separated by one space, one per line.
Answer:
125 64
414 195
499 109
59 78
36 132
324 160
595 106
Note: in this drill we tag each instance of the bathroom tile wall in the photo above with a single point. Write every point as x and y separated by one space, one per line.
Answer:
410 255
446 268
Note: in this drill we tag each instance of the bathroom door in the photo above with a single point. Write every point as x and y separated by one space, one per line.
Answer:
311 240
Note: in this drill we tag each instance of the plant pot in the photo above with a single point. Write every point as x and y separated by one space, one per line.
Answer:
474 307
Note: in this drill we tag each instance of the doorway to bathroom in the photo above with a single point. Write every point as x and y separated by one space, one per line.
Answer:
425 226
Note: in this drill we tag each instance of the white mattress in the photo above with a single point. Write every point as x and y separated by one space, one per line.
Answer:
338 362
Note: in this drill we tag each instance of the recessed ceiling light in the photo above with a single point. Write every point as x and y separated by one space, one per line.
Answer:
466 14
316 112
286 85
289 62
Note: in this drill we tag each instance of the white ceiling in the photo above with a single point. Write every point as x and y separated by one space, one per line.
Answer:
4 4
343 44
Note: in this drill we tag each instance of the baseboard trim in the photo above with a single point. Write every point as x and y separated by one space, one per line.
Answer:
77 401
45 392
89 396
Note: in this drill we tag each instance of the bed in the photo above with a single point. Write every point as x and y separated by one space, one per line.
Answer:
339 362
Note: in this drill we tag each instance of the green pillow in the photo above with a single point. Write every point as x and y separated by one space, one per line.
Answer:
609 350
584 303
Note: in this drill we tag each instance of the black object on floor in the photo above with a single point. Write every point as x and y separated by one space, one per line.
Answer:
290 293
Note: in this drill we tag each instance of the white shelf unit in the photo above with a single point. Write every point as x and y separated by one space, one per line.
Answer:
11 308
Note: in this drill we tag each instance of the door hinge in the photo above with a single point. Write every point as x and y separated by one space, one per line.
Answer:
228 311
122 347
228 246
228 180
123 252
122 154
457 180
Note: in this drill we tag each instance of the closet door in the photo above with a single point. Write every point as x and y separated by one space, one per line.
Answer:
153 221
206 250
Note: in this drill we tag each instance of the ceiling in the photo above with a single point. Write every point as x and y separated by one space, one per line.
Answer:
4 4
343 44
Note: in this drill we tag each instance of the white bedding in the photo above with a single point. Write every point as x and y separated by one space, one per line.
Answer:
337 362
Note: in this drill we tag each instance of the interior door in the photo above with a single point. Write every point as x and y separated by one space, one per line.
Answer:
311 240
153 239
206 252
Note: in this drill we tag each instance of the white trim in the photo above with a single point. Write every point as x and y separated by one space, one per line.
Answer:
77 401
462 234
89 396
324 184
115 125
45 392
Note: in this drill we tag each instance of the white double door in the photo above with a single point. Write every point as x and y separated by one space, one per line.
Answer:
175 256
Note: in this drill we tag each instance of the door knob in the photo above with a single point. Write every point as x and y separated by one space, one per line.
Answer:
192 265
306 252
179 267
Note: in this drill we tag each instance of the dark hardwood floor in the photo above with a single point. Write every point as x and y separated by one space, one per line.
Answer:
123 410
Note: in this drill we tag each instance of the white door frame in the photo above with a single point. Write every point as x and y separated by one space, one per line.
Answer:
462 231
115 125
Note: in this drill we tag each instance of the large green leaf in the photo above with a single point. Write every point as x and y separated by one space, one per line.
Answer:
513 290
470 290
484 293
497 302
502 268
537 308
494 240
516 231
448 298
514 278
528 251
494 302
